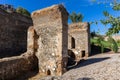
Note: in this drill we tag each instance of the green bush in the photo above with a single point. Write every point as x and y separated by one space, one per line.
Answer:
23 11
118 41
111 43
114 45
98 41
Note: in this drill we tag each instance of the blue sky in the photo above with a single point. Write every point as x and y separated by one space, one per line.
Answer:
92 11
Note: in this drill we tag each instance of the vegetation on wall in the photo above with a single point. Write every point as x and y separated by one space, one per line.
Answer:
23 11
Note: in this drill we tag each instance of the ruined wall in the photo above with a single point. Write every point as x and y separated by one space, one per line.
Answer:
14 67
51 30
13 33
79 40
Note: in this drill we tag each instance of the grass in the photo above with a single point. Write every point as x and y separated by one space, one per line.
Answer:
118 44
105 43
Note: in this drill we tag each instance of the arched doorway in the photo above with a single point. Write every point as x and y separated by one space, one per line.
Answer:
48 72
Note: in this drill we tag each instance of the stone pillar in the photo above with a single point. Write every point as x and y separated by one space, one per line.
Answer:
32 44
30 39
51 27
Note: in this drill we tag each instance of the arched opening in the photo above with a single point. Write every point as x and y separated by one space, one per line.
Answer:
48 72
71 54
73 42
71 58
83 53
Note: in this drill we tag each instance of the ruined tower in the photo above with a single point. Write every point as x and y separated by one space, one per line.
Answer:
51 41
79 40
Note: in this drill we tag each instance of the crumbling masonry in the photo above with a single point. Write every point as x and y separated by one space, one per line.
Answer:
51 30
48 44
79 41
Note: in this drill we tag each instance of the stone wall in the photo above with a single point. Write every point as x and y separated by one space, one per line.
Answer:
51 30
13 33
48 42
13 67
79 40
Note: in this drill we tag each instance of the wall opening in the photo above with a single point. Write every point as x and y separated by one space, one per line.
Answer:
48 72
73 43
71 58
71 54
83 53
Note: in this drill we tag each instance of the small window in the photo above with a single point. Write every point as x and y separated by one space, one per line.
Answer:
73 43
83 53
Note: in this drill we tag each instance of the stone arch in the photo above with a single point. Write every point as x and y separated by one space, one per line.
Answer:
71 54
48 72
71 58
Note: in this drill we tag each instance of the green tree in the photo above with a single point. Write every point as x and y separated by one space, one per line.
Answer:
112 20
76 17
23 11
93 34
113 45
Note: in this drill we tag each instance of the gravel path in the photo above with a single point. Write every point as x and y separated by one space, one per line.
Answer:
98 67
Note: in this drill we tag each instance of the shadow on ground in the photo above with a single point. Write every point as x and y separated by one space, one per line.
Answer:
90 61
97 50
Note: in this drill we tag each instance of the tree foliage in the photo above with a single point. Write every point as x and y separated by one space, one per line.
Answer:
114 45
76 17
114 21
23 11
116 6
93 34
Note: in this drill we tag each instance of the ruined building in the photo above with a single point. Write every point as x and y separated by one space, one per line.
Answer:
47 45
79 41
50 25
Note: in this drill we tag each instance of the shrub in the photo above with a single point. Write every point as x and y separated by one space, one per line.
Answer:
114 45
118 41
23 11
